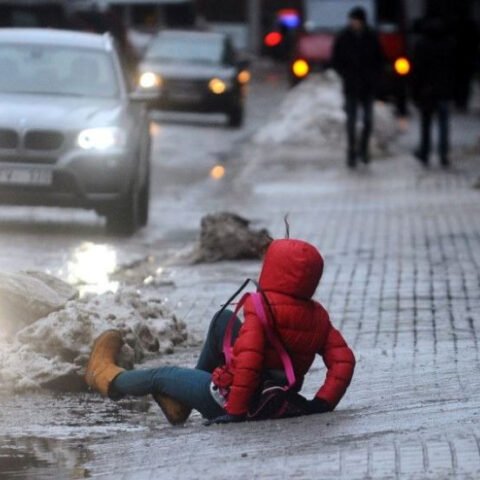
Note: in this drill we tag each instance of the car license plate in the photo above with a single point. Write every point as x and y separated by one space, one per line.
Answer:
25 176
185 96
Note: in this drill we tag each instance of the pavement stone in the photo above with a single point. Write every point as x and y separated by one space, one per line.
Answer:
402 278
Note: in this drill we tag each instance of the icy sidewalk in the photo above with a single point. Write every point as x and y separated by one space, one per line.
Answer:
402 251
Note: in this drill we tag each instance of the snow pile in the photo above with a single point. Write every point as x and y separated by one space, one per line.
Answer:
312 114
52 351
27 296
227 236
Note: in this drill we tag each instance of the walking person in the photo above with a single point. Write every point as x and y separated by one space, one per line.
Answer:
466 59
284 329
358 59
433 87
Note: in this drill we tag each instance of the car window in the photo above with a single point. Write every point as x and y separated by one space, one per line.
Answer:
52 70
332 14
186 49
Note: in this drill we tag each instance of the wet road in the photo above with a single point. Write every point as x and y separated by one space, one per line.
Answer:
46 435
401 246
73 244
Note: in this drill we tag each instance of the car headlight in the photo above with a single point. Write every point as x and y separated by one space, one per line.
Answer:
244 77
218 86
300 68
402 66
101 138
149 80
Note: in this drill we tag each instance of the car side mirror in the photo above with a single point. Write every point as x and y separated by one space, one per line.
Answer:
144 96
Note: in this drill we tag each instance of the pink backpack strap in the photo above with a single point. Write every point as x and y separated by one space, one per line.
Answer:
274 340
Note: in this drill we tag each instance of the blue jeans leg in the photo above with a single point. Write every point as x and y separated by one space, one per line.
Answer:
187 385
212 356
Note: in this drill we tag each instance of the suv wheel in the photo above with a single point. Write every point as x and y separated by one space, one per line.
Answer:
124 219
236 115
144 204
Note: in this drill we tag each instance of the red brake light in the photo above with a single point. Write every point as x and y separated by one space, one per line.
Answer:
273 39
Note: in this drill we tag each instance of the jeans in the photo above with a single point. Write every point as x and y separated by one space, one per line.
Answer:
352 103
442 112
190 386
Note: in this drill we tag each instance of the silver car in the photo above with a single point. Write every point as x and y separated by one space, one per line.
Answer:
71 133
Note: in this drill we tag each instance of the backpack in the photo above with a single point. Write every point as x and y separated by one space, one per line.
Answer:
272 400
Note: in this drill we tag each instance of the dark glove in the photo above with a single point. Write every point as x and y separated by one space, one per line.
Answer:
317 405
222 419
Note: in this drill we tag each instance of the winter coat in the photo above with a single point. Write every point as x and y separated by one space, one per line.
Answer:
358 58
291 272
433 66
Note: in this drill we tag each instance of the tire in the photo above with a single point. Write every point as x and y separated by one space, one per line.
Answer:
123 220
144 203
236 116
144 194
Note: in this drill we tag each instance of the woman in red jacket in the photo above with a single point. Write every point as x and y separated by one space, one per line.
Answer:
290 275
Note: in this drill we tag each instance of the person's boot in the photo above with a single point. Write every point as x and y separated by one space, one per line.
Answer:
102 368
351 159
421 157
176 413
445 161
365 156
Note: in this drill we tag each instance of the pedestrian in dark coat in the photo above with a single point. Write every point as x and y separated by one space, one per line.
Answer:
466 58
433 86
358 59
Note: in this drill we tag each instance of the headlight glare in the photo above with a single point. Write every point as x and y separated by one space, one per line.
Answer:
217 86
150 80
402 66
101 138
244 77
300 68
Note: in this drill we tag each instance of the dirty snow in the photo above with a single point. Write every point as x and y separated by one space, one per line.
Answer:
312 114
28 296
227 236
52 351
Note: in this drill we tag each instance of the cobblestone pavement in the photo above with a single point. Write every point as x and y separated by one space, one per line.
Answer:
402 278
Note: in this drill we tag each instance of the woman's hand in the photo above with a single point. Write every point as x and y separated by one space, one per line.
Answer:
223 419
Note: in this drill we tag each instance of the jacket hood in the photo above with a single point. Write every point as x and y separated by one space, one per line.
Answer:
291 267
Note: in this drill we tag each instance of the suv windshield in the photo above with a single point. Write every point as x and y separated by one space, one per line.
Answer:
186 49
333 14
40 69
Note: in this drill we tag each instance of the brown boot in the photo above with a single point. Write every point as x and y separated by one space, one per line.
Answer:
101 368
176 412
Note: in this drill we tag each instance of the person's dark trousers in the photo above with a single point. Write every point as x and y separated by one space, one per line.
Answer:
463 82
441 109
190 386
352 103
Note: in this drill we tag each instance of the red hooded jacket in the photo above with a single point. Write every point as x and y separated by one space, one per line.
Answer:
291 272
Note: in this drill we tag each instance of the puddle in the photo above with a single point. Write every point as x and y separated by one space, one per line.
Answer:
42 458
91 267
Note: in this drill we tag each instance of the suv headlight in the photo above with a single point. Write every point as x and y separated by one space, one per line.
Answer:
101 138
219 86
149 80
